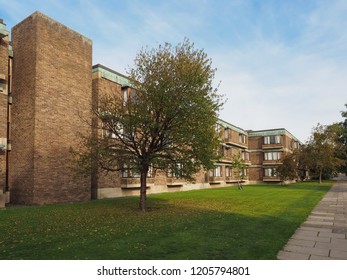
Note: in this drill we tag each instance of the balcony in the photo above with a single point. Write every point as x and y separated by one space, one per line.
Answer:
215 180
226 159
230 180
230 142
233 180
227 140
271 179
175 182
272 146
134 183
272 162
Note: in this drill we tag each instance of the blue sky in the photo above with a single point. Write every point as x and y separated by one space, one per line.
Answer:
280 63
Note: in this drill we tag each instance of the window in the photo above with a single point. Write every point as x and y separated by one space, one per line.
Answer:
2 87
106 133
296 145
150 172
272 155
127 172
129 93
242 138
273 139
108 127
226 133
245 155
125 96
216 172
270 172
228 171
175 172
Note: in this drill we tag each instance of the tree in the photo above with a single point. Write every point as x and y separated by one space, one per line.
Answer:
288 170
238 164
320 151
168 121
341 149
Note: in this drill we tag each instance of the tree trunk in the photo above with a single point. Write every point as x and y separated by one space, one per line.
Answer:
143 190
320 176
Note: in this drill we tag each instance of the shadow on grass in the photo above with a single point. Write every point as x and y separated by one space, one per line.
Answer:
216 224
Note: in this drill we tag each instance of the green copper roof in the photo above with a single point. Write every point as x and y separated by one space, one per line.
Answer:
233 127
279 131
111 75
3 30
267 132
10 51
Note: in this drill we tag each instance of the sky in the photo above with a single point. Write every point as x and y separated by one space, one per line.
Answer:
280 64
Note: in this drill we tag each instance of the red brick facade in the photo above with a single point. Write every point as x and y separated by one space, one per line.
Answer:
51 89
4 111
267 149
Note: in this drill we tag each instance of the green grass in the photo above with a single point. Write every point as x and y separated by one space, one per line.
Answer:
221 223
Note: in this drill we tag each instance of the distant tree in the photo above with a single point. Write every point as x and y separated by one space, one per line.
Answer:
239 166
320 151
341 149
167 123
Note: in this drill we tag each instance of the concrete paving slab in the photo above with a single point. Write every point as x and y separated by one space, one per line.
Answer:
312 238
309 222
333 235
340 230
321 213
315 229
307 232
314 219
338 254
339 242
306 243
313 257
282 255
340 224
307 250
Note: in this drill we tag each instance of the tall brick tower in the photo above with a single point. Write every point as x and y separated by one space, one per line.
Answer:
52 97
4 117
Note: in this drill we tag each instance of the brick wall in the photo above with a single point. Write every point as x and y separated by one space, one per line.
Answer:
255 142
52 98
101 88
3 114
255 174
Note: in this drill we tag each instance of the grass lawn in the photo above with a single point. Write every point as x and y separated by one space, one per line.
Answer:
222 223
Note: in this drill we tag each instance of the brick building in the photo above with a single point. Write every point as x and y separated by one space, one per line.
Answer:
5 109
267 149
47 72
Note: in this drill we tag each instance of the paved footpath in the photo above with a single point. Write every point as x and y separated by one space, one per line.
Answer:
324 234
